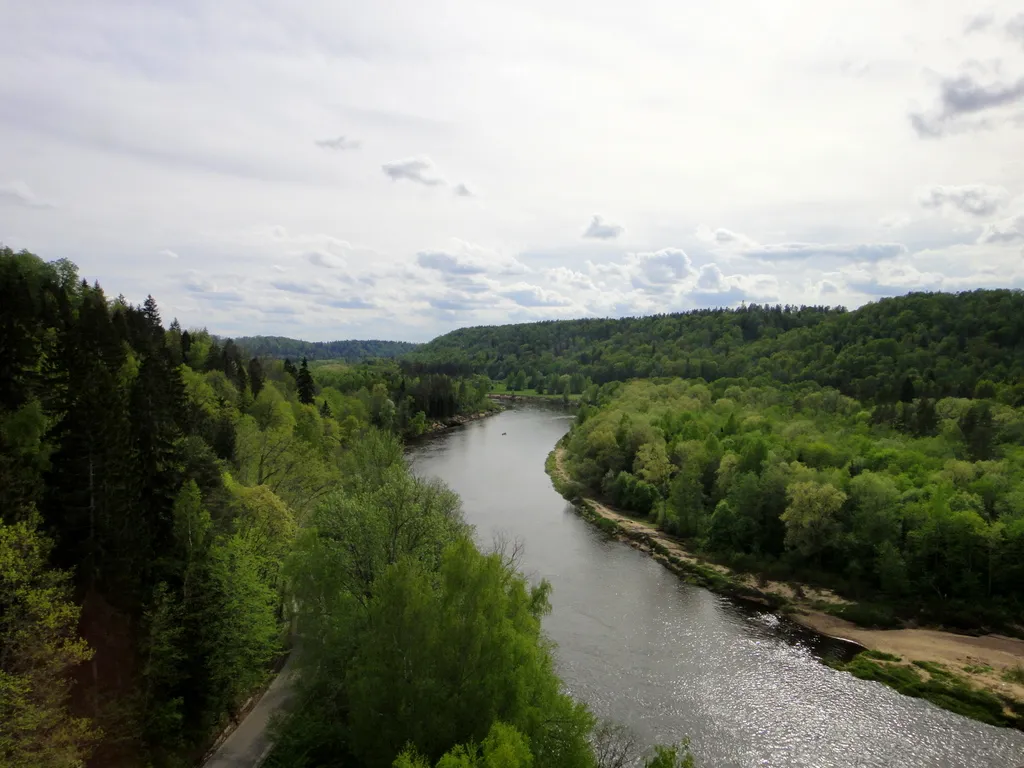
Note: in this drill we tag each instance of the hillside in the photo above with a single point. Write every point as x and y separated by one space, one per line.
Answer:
349 350
942 344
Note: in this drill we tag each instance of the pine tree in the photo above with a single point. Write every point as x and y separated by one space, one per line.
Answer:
307 389
256 376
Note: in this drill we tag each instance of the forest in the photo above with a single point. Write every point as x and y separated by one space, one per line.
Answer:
349 351
915 508
175 508
943 343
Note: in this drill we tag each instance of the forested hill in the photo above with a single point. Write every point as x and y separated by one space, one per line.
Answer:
942 344
350 350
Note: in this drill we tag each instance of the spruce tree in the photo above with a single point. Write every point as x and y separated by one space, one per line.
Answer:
307 389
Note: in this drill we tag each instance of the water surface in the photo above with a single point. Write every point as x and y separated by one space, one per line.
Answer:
673 660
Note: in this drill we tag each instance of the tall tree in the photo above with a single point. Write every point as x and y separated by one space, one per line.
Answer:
306 386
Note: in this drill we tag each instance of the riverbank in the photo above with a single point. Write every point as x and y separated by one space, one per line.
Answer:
574 400
434 427
957 672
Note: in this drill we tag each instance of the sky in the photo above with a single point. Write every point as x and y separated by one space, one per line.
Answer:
396 169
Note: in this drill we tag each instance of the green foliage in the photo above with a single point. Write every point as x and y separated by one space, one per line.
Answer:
39 649
351 351
803 482
919 346
675 756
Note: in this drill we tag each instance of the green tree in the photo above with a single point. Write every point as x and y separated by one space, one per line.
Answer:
306 386
812 517
39 649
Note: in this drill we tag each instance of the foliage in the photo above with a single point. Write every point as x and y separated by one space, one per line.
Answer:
351 351
928 345
38 650
803 481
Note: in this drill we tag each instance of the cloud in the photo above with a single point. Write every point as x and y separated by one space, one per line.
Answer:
724 298
1015 27
338 143
711 278
600 230
294 286
19 193
723 237
978 23
526 295
658 271
972 199
447 263
419 170
207 290
461 190
168 253
891 280
827 286
348 303
1005 231
894 221
467 259
854 252
325 260
964 96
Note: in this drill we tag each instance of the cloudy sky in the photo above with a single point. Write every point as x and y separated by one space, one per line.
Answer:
396 169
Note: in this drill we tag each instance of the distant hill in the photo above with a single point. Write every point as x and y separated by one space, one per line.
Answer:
934 344
351 350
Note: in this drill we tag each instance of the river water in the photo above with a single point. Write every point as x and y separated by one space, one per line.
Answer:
673 660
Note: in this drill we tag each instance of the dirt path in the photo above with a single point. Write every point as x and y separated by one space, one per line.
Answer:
995 652
249 744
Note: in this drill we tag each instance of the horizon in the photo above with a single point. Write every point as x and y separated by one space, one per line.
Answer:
293 172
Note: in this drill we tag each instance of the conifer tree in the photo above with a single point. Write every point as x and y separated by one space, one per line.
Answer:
307 389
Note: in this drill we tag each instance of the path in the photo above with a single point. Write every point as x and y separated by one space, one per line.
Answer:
249 744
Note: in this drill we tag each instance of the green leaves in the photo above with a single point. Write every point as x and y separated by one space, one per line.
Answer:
39 649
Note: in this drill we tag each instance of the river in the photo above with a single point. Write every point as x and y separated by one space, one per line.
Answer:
672 660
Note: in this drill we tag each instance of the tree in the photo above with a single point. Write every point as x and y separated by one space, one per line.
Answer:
811 518
39 648
304 380
441 664
256 376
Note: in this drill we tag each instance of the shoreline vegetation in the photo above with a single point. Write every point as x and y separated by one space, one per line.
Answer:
977 677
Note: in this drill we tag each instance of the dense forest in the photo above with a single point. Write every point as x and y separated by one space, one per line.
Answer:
942 343
350 351
172 512
916 508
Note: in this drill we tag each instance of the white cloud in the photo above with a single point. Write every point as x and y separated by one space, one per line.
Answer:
19 193
169 253
972 199
601 230
1005 231
338 143
419 170
711 278
658 271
